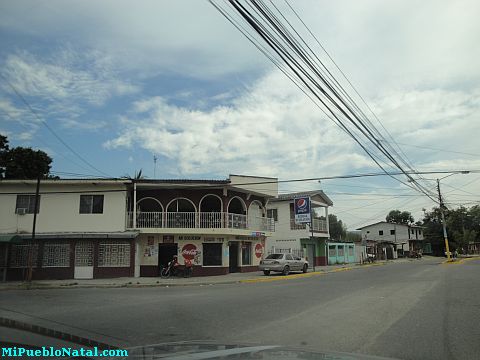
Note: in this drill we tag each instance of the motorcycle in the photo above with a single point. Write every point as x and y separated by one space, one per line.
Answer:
171 270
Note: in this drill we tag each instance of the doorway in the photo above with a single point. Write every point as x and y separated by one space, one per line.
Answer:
233 258
83 260
165 254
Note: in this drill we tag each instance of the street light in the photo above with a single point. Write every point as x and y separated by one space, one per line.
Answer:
447 248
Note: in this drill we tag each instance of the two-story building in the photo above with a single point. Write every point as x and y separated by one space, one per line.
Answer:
219 225
390 240
94 228
307 240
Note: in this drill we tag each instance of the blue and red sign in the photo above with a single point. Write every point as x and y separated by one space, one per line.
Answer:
302 210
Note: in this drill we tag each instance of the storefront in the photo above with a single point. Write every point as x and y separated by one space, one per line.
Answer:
72 256
210 255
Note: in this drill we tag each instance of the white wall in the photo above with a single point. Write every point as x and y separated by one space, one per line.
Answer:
284 237
60 212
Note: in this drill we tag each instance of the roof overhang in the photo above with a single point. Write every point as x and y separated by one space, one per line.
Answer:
82 235
10 238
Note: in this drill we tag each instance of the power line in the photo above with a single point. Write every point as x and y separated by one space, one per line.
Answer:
50 128
318 82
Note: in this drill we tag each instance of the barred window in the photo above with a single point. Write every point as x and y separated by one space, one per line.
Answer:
19 255
114 254
27 202
56 255
350 251
272 214
91 204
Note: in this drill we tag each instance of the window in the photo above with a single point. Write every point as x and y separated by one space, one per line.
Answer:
332 251
27 202
412 231
212 254
380 232
392 232
419 232
350 251
19 255
114 254
247 253
56 255
91 204
272 213
289 257
340 251
275 256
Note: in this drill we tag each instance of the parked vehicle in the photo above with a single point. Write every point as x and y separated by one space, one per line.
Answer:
284 263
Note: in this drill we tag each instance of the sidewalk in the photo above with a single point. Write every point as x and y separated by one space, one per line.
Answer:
250 277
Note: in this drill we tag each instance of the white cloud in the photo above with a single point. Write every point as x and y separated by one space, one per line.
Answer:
67 76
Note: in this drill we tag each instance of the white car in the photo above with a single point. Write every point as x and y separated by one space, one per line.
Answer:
284 263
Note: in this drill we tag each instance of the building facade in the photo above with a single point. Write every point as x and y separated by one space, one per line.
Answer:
391 240
300 239
113 228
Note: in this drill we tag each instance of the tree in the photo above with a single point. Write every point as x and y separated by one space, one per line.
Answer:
338 230
3 154
399 217
463 227
22 163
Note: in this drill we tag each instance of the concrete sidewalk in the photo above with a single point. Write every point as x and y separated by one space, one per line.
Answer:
179 281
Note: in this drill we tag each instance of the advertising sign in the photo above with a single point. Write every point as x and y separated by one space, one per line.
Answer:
302 210
258 250
189 251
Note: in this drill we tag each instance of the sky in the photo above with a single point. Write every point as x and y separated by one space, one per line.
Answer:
120 82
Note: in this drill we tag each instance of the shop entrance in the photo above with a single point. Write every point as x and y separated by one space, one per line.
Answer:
165 254
233 258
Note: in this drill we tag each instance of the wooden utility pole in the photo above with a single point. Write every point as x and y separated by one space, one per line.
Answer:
32 241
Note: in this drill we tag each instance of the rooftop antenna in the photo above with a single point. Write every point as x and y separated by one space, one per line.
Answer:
154 165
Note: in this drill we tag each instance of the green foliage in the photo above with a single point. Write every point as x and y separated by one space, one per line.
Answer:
338 230
353 236
22 163
399 217
463 227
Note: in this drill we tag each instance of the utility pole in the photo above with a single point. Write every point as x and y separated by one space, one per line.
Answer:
447 248
154 165
32 242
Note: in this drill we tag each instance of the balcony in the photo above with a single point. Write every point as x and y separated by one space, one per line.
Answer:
201 220
319 225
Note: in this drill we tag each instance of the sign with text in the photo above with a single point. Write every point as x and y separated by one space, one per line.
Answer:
302 210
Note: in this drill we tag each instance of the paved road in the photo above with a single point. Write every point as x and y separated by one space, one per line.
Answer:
413 310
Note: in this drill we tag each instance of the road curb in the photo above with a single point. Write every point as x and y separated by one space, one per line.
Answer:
73 285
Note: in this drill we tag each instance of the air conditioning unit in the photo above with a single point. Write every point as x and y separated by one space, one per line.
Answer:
21 211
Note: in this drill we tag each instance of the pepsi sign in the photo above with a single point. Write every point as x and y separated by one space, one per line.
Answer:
302 210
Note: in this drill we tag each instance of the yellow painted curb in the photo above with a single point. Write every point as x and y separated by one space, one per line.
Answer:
459 262
280 278
297 276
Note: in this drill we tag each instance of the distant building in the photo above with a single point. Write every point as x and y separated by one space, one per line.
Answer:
391 240
300 239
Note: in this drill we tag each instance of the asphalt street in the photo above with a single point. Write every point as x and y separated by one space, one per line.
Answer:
413 310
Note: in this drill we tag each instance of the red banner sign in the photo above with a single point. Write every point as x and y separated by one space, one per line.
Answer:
258 250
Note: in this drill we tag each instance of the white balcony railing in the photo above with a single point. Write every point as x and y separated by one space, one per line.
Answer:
202 220
319 225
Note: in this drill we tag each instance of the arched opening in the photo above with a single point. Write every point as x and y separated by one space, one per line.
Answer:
149 213
181 213
149 204
237 211
237 206
211 207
